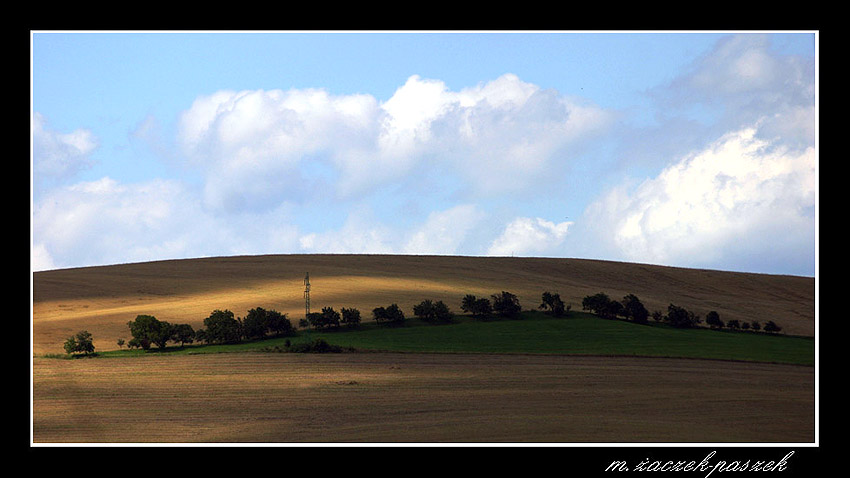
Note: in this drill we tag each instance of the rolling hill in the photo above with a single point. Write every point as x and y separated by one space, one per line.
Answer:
103 299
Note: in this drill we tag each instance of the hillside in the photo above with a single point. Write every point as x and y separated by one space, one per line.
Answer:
103 299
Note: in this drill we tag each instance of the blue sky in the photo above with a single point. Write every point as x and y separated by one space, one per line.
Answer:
687 149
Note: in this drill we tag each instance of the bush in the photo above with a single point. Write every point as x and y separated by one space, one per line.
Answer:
317 346
771 326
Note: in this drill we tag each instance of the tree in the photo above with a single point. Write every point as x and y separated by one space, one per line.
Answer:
82 342
771 326
468 304
506 304
602 305
476 307
162 334
633 309
278 324
120 343
553 303
733 324
681 317
657 316
184 333
255 324
145 329
350 317
713 320
222 327
392 314
330 317
430 311
755 325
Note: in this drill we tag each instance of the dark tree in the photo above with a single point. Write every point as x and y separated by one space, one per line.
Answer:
634 310
681 317
733 324
553 303
506 304
480 308
82 342
145 329
713 320
431 311
771 326
755 325
278 324
330 317
255 324
602 305
222 327
350 317
657 316
392 314
184 333
468 304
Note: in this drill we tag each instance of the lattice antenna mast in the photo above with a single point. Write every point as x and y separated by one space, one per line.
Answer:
307 295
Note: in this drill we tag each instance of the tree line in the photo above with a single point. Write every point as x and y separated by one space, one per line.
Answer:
631 308
223 327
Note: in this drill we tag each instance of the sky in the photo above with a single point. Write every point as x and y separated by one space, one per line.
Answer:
687 149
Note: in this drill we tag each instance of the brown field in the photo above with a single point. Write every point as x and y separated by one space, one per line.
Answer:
103 299
415 398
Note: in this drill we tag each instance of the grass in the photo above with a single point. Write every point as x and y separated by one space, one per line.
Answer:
537 333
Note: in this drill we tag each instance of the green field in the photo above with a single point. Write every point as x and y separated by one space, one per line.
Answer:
537 333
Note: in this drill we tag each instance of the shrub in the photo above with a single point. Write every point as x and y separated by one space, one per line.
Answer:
318 346
771 326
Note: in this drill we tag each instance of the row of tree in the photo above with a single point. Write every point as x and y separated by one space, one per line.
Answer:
631 308
221 327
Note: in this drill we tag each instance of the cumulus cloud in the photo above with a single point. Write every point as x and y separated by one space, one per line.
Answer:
107 222
254 146
56 156
444 231
526 236
714 204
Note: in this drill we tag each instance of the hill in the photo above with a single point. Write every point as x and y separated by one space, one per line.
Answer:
103 299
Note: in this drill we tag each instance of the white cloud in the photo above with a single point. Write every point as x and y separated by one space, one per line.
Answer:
529 236
444 231
59 156
713 204
107 222
497 136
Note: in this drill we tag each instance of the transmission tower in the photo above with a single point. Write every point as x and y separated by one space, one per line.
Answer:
307 295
